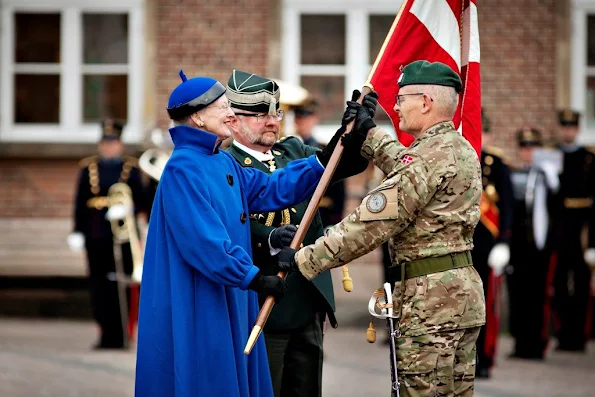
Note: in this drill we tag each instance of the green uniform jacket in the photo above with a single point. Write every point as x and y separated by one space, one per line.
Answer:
303 298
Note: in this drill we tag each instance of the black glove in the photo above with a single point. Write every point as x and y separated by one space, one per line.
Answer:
351 112
282 236
269 285
286 260
364 114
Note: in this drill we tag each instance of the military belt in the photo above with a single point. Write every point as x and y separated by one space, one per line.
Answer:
422 267
585 202
98 203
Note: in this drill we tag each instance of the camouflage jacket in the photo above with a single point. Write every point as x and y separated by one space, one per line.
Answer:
427 206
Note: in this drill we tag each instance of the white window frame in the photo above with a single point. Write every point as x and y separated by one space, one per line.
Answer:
356 38
579 69
71 128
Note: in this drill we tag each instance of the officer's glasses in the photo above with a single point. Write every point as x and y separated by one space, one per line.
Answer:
399 97
263 117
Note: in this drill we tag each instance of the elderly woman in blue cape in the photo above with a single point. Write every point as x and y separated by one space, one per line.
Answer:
199 288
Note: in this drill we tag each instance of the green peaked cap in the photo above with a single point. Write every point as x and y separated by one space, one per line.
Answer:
247 91
424 72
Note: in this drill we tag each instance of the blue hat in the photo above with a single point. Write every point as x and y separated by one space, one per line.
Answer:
192 95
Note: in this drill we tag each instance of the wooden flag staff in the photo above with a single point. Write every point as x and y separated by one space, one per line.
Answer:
266 308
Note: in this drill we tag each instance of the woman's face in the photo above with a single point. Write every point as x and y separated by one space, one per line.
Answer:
216 118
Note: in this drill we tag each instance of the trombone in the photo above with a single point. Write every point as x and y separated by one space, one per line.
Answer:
123 223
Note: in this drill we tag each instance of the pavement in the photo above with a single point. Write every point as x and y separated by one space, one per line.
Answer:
52 357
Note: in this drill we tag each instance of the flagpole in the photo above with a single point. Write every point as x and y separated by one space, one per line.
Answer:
269 302
385 43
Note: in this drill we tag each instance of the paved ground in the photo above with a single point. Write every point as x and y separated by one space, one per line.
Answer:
52 358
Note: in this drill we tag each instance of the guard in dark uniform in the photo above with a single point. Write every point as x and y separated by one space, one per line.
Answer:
98 173
294 331
573 275
491 244
530 250
333 203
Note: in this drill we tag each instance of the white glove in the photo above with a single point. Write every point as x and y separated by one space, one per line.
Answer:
137 274
75 241
118 211
590 257
499 258
551 176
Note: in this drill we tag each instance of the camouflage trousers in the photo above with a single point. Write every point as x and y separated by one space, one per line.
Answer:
437 364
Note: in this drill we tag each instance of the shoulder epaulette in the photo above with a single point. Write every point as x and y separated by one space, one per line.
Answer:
499 153
88 161
131 160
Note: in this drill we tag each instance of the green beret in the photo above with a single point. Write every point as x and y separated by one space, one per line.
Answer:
424 72
247 91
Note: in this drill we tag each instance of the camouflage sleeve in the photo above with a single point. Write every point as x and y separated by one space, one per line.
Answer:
384 213
382 149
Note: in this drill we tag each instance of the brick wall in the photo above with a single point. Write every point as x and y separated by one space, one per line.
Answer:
209 39
37 188
518 66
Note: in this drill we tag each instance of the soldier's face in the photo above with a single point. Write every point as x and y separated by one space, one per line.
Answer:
409 109
569 134
260 131
111 149
526 153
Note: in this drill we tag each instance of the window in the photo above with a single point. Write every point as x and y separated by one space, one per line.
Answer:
67 65
329 48
583 67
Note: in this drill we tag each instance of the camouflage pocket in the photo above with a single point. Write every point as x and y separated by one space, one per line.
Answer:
417 369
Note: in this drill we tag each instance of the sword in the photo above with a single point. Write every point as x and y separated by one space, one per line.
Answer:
392 334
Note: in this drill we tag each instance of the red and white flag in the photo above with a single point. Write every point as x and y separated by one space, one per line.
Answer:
434 30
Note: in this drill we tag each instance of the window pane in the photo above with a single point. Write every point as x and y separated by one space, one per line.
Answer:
105 96
379 27
105 38
37 38
37 98
323 39
591 40
330 93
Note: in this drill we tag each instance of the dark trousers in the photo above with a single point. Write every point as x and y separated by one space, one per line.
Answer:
528 299
571 284
483 242
105 302
295 360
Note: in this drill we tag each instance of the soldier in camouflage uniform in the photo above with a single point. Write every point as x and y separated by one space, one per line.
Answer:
427 208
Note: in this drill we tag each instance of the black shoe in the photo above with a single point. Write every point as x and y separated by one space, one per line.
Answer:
567 347
106 346
482 373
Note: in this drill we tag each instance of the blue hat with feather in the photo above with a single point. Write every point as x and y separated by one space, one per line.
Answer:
192 95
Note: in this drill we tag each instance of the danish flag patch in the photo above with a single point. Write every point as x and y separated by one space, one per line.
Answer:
407 159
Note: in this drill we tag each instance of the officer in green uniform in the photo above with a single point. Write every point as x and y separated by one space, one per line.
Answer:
294 331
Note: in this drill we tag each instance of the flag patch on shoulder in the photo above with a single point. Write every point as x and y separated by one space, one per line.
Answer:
407 159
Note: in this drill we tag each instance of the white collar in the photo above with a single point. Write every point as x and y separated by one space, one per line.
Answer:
254 153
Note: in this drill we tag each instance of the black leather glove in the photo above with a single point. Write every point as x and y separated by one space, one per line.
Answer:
269 285
364 114
286 260
282 236
370 103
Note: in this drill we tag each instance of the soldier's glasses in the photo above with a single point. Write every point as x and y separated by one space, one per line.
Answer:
399 97
263 117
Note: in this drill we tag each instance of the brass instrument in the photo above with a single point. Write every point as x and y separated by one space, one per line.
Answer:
153 161
124 227
124 230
